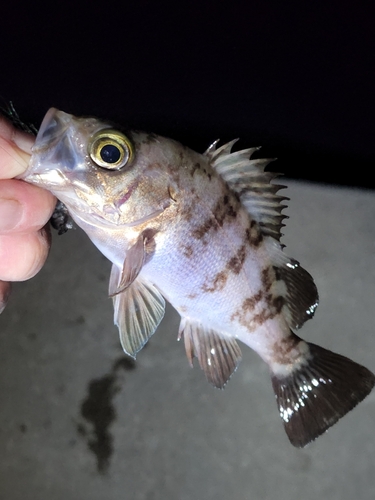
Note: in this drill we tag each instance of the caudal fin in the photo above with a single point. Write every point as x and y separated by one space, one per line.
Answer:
317 394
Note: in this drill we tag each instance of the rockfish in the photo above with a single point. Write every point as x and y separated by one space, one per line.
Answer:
203 232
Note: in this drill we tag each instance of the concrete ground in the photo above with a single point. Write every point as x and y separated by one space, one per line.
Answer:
78 420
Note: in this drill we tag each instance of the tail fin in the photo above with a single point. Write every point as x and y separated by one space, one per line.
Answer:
317 394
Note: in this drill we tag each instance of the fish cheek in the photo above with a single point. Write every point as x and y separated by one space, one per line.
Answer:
137 207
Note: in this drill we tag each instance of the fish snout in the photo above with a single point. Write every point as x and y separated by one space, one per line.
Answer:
53 127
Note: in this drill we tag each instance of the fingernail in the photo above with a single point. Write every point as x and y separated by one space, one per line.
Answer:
10 214
24 141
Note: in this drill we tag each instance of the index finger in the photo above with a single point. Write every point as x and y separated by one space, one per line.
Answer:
15 150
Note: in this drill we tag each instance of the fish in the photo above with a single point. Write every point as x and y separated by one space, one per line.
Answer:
202 231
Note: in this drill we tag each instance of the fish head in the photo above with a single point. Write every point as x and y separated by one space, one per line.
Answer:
104 176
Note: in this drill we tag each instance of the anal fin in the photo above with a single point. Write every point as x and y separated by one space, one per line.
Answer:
319 392
218 355
138 310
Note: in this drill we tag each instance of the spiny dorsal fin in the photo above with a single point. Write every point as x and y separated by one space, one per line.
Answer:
248 178
138 311
218 356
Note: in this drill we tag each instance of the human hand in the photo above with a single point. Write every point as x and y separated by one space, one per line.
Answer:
24 212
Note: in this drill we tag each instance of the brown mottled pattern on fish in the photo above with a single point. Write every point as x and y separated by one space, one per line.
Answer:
236 262
253 234
257 310
218 283
203 231
286 348
188 251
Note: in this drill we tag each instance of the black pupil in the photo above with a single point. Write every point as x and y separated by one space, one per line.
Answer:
110 153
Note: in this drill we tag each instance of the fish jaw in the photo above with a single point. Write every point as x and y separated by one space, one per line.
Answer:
54 154
55 123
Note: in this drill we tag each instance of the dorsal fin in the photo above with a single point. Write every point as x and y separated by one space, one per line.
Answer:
248 178
294 283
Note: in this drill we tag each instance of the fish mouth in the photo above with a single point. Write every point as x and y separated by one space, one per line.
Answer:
51 151
54 153
54 125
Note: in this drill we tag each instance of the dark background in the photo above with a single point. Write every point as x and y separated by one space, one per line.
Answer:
296 78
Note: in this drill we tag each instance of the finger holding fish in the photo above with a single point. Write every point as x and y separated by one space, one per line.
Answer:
24 208
24 212
23 255
15 149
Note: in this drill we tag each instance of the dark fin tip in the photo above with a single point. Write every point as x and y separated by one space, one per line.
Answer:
319 393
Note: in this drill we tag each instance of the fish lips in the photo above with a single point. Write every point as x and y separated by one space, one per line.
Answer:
53 127
53 153
54 142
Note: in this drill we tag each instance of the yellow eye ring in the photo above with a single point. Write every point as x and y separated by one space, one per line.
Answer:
110 149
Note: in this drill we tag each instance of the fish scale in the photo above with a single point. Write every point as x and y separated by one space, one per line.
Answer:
204 232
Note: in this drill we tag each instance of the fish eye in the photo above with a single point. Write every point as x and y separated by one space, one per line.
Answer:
111 149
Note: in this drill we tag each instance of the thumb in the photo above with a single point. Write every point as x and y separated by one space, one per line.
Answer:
15 150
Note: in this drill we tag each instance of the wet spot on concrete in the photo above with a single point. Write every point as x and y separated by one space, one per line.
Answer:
98 409
81 429
99 413
23 428
124 363
80 320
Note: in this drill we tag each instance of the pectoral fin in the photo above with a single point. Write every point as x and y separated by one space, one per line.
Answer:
218 356
138 310
132 266
133 263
